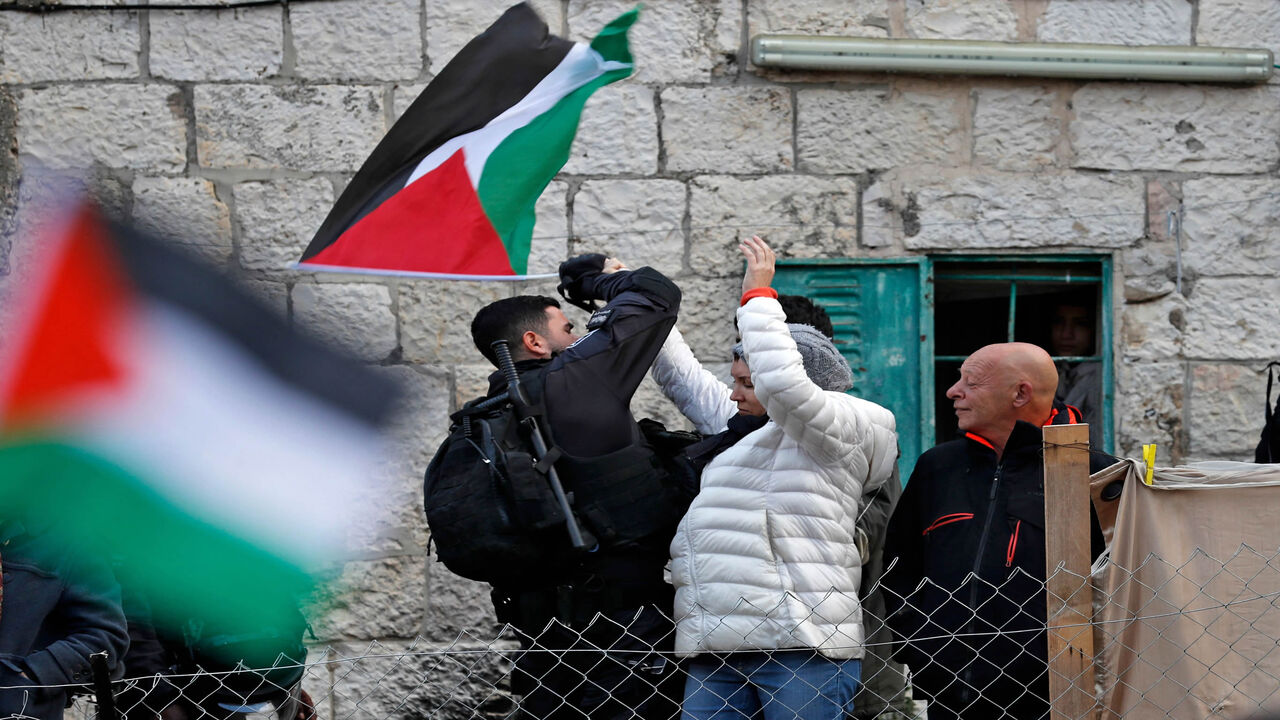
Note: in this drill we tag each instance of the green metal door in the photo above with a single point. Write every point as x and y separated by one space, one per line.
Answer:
875 307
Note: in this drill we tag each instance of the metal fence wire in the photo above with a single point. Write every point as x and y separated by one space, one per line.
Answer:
1197 638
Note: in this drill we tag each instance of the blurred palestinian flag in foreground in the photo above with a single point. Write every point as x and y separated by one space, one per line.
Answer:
180 427
450 190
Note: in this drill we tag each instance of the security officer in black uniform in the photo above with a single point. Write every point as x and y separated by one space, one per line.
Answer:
610 607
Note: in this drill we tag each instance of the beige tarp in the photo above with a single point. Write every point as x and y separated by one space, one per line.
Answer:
1189 624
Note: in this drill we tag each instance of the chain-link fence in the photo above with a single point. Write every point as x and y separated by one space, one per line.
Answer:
1197 638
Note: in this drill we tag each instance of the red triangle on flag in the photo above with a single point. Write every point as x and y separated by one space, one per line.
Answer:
71 344
436 224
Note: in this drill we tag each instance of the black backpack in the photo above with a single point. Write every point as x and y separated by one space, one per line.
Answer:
490 509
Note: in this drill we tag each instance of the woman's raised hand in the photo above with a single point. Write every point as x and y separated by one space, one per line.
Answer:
760 261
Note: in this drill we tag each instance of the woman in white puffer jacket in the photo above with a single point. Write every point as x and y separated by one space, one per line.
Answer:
765 562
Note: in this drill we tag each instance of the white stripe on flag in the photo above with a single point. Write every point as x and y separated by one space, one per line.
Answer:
580 66
227 442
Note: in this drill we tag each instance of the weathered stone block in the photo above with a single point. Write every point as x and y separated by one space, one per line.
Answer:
1238 23
727 129
413 680
184 3
1163 196
1008 211
637 221
435 318
357 39
374 599
8 294
1231 227
422 419
356 317
858 18
311 127
184 211
550 244
707 314
451 24
1226 415
1233 319
10 172
618 133
674 41
272 292
1153 330
841 131
40 199
277 219
244 44
456 606
1112 22
1161 126
403 96
962 20
1150 398
68 46
394 498
881 220
397 526
122 126
471 381
1143 288
1149 268
800 216
1015 128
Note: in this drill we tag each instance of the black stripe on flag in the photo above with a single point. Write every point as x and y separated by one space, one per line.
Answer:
493 72
167 275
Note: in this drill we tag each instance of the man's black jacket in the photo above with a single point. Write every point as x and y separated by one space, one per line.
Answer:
971 527
588 387
587 391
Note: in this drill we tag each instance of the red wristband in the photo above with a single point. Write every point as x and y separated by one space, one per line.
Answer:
759 292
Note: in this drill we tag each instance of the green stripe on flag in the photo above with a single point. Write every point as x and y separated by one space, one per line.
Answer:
612 43
522 166
185 567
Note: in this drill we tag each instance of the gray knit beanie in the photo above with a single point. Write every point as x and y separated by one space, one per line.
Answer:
823 363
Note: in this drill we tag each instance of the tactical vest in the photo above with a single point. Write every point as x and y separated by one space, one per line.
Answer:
493 516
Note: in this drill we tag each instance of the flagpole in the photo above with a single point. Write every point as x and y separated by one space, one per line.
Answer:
307 267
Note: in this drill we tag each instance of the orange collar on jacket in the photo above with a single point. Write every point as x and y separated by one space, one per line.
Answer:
1073 417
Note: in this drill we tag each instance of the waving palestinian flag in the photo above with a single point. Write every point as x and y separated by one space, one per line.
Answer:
450 191
153 413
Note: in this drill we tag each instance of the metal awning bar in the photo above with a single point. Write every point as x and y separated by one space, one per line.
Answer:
1055 60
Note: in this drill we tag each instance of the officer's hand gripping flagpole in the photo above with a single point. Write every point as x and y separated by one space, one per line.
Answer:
515 394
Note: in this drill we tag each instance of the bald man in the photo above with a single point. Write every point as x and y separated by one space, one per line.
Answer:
970 525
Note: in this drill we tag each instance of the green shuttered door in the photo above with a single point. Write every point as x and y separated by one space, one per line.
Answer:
875 308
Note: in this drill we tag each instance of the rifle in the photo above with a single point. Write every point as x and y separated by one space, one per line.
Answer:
528 416
106 697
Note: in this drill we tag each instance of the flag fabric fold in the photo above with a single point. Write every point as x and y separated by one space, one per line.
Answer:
450 190
175 425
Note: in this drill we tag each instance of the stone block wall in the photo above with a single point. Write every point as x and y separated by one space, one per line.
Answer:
232 131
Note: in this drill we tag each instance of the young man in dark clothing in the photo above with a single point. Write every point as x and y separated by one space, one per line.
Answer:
59 607
610 608
970 525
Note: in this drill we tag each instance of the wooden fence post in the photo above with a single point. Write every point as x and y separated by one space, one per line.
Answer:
1067 559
